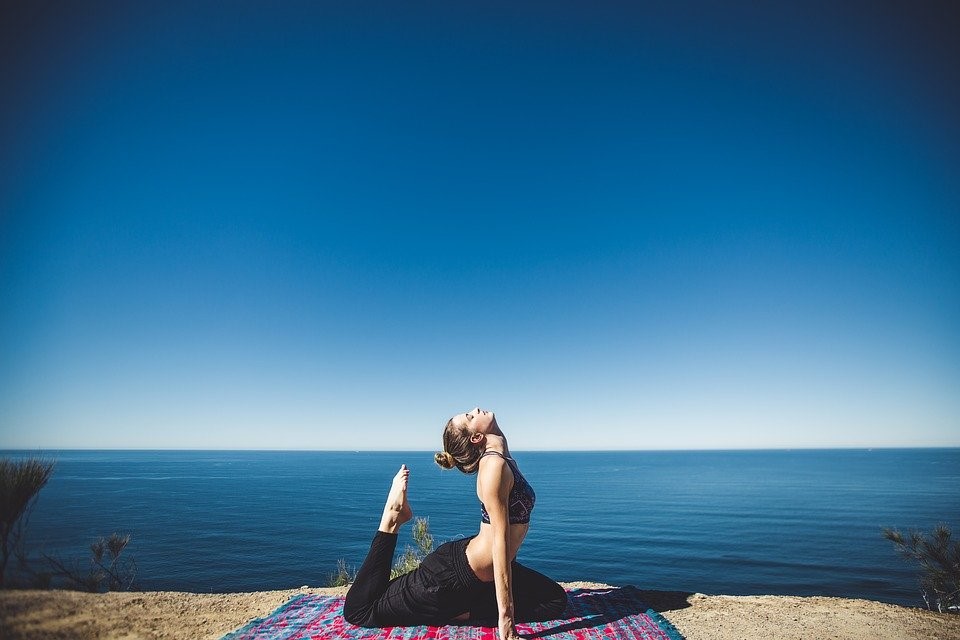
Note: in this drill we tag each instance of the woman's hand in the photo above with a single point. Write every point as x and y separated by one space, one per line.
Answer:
508 631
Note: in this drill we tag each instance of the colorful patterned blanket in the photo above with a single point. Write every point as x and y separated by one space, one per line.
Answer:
590 614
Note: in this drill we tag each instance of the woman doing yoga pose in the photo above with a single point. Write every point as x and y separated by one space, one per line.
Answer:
474 580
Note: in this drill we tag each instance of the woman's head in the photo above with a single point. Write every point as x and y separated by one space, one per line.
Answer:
464 439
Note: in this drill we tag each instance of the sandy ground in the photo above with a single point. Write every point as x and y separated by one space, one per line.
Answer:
71 614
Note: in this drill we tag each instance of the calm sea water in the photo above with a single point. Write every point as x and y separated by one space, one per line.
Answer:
735 522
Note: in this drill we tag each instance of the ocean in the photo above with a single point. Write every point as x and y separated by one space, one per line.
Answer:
802 522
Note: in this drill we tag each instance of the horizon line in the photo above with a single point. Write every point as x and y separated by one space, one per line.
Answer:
652 450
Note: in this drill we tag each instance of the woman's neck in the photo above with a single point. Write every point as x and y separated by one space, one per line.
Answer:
496 442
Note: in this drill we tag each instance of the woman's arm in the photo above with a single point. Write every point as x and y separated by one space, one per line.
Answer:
495 485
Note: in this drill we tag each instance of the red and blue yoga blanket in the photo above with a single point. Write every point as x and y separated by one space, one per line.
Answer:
591 614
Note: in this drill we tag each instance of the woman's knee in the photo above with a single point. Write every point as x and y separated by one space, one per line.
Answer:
356 615
556 601
537 595
358 619
548 604
351 615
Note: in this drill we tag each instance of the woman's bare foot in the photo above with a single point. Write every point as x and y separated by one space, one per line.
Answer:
396 511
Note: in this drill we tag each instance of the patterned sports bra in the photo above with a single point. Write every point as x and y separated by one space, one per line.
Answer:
522 498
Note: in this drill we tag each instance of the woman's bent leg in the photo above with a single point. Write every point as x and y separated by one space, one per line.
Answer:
434 593
371 580
535 596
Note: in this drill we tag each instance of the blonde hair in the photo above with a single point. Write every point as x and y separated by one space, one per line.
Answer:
458 451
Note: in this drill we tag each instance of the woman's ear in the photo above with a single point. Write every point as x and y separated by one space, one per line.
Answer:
477 438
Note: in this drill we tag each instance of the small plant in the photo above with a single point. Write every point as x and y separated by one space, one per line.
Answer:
20 482
411 557
939 560
107 570
342 576
407 562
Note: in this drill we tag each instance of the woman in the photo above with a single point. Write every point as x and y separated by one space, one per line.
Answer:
475 580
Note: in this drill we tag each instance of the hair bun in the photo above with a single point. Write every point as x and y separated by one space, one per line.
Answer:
445 460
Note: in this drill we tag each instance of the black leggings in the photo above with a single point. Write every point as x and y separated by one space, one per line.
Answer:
440 589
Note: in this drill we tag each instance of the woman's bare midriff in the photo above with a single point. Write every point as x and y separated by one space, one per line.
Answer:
480 549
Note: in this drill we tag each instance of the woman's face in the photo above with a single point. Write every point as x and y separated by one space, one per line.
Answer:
478 420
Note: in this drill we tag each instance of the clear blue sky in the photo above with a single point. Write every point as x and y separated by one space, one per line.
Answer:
331 225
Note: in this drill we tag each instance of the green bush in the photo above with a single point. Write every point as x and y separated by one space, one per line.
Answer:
107 571
409 560
20 482
412 557
342 576
939 560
